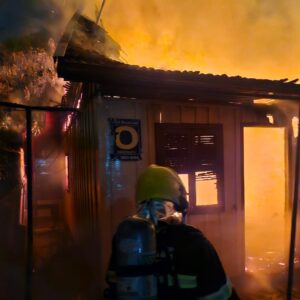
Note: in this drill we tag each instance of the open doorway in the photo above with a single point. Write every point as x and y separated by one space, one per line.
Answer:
265 199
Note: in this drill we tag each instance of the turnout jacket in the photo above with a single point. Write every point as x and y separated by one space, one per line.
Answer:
187 267
191 266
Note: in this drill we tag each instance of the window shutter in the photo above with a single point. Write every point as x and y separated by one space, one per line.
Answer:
195 149
172 149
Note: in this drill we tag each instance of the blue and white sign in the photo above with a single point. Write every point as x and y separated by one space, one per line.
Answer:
126 139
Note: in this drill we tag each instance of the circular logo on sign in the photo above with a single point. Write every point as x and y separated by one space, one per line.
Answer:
126 137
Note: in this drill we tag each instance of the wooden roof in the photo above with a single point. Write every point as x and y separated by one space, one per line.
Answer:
124 80
82 33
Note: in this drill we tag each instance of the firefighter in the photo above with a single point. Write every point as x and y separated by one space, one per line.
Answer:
185 264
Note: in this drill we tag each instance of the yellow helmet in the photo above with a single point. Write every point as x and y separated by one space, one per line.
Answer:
161 183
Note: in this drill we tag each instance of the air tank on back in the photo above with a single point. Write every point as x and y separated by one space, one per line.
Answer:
135 243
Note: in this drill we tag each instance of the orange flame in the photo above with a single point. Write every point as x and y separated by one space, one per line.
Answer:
248 39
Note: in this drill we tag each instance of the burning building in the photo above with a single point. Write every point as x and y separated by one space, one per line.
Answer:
33 174
232 140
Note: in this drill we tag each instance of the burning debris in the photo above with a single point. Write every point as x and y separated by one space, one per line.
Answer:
28 76
27 46
28 38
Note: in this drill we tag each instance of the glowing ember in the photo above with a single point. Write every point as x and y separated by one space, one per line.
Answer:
36 129
264 101
79 101
65 87
270 118
68 122
160 117
23 196
67 172
295 124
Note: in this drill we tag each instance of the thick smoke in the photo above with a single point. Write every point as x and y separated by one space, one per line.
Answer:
251 38
26 23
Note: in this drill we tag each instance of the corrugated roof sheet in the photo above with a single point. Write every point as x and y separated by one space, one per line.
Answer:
118 78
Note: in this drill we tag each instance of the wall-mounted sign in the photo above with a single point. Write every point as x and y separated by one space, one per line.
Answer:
126 139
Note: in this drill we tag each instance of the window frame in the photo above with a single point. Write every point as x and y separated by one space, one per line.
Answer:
191 130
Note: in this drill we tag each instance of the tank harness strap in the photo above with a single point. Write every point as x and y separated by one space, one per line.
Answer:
172 276
138 270
167 271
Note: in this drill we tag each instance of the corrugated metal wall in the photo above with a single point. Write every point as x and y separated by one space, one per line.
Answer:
82 198
81 150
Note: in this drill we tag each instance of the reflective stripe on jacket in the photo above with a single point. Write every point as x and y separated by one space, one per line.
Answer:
223 293
186 282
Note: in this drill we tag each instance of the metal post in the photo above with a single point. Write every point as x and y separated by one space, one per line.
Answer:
100 12
294 219
29 246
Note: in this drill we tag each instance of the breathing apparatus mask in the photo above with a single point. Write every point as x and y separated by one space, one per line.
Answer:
160 210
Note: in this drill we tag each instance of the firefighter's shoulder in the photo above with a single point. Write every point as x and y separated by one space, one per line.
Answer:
183 231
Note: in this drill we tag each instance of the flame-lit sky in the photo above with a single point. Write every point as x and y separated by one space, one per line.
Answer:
253 38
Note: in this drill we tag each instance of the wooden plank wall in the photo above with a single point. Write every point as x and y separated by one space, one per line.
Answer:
115 179
225 229
112 198
123 174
